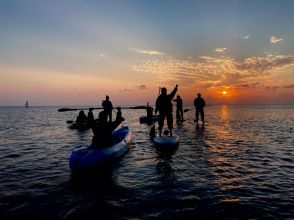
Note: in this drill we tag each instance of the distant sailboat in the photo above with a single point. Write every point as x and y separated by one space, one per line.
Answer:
27 104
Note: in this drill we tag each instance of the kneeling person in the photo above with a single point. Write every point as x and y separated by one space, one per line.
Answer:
102 130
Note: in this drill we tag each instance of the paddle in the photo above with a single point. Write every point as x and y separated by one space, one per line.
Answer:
75 109
139 107
152 131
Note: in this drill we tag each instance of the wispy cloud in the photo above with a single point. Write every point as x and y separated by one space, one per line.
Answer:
102 55
275 39
217 71
220 50
289 86
142 87
246 37
147 52
125 90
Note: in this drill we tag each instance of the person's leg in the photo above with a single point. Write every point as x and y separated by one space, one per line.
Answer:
160 122
178 115
202 115
197 115
170 122
182 114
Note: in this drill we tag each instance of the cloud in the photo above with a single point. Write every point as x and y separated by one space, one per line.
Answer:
102 55
250 85
125 90
246 37
273 88
275 39
148 52
289 86
142 87
217 71
220 50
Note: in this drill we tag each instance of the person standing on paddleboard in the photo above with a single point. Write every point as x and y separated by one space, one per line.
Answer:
107 106
179 112
165 107
199 104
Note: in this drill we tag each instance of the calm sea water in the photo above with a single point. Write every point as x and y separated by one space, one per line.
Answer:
239 165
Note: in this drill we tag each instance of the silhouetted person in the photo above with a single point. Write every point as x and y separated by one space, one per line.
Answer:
149 110
90 116
179 112
107 106
199 104
102 130
165 107
119 115
82 118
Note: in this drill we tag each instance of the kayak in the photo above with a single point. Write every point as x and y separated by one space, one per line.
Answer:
145 119
166 142
79 126
86 157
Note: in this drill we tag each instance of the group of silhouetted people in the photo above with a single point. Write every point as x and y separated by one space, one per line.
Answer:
102 127
164 106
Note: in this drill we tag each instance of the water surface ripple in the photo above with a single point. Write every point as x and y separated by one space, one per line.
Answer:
239 165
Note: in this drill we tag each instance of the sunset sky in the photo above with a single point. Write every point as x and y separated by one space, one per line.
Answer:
69 52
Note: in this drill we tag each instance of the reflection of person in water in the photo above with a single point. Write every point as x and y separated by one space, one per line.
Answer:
165 170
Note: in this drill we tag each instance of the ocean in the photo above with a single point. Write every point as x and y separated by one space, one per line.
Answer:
239 165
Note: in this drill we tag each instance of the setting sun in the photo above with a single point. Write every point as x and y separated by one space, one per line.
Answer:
224 92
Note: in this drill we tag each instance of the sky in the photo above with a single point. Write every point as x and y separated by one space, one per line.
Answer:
69 52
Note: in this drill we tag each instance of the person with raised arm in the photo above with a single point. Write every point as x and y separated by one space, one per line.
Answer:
165 108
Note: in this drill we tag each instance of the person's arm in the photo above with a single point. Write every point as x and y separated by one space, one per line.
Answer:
173 93
115 124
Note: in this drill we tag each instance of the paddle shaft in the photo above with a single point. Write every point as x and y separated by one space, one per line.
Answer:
75 109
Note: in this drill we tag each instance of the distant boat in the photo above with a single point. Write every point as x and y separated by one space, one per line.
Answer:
27 104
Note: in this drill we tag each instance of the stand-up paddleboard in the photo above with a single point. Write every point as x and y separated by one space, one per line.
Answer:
88 157
164 142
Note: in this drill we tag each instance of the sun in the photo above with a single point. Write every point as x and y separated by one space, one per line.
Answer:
224 92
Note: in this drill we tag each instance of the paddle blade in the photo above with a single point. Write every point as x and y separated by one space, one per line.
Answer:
139 107
66 109
152 131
